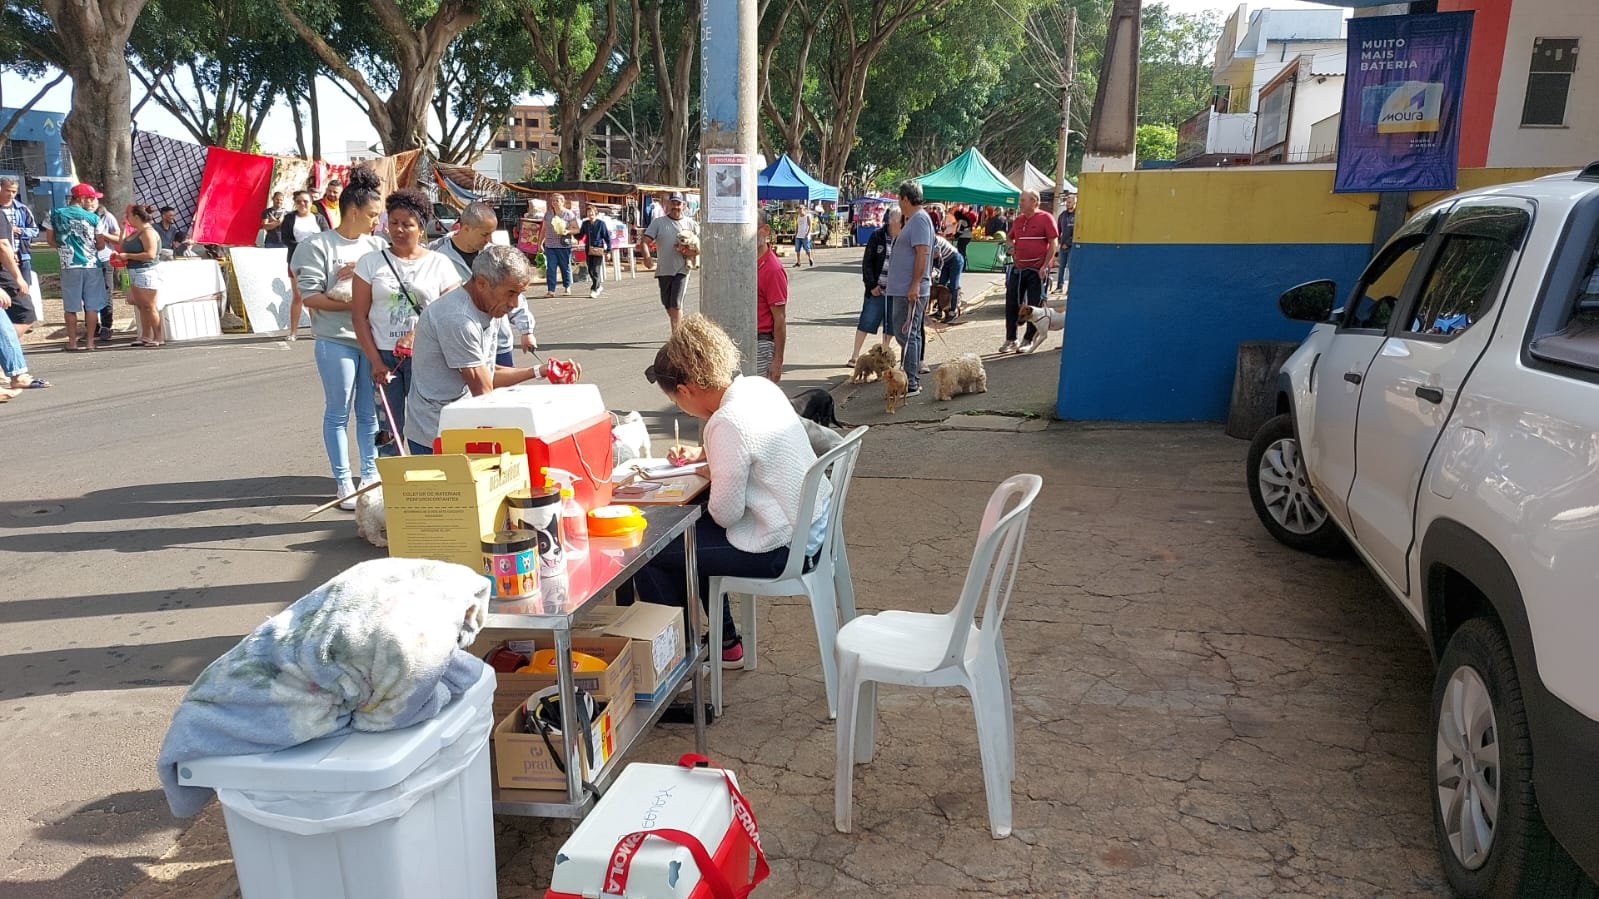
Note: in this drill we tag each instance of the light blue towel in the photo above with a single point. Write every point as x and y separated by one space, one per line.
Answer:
377 648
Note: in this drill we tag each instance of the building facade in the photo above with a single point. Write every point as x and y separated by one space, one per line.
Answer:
528 127
37 156
1529 95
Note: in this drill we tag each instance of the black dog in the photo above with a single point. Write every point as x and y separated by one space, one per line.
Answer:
816 404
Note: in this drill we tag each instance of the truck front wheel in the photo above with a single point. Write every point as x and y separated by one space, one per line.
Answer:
1281 493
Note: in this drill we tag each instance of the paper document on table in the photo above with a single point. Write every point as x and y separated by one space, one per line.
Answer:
661 470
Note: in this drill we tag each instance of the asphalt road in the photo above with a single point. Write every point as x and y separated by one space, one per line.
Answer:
150 513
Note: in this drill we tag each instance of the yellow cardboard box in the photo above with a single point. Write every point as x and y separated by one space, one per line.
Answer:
439 507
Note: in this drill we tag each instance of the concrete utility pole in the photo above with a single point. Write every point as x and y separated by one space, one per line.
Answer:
727 131
1113 130
1068 77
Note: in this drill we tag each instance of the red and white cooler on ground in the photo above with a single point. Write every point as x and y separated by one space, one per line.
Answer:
679 831
566 426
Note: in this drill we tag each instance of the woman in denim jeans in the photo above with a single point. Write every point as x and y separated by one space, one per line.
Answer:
324 273
558 244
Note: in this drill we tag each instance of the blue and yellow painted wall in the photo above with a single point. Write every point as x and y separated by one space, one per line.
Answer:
1171 270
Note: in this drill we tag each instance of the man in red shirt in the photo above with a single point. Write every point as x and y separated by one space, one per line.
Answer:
1034 237
771 306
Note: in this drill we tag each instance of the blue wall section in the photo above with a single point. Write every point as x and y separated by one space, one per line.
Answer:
1152 330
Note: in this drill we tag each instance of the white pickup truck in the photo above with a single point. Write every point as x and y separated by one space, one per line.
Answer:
1444 422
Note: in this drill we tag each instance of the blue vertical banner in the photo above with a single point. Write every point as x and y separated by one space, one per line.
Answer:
1400 129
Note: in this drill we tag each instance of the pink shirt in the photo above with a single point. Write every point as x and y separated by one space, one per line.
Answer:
771 289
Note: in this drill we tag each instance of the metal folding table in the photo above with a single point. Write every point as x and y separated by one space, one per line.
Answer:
564 602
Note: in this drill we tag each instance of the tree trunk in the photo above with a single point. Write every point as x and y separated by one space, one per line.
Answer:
573 136
1254 399
99 129
673 80
316 120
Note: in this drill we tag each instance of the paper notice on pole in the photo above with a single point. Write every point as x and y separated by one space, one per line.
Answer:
730 188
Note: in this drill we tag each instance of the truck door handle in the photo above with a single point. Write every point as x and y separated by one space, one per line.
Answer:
1352 377
1430 394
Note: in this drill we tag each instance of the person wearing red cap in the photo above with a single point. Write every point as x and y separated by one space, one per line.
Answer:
74 230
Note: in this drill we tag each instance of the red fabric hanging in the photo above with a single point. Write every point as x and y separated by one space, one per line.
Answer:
232 194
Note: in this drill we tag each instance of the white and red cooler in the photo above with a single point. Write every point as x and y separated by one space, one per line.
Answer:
679 831
566 426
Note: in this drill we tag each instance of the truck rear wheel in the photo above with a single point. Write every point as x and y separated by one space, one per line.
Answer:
1491 838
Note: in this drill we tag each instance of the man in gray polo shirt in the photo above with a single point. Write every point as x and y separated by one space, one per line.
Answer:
453 355
910 281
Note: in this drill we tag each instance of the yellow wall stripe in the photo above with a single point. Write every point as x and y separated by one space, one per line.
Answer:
1244 205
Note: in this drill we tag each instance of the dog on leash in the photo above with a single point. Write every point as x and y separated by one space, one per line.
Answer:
895 385
874 362
939 299
371 524
816 405
1043 318
962 374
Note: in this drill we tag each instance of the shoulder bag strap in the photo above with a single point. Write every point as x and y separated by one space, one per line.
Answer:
404 291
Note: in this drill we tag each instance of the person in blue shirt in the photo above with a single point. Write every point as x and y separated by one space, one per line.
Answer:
24 228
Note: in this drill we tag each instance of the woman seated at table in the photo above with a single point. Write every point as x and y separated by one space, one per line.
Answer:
757 453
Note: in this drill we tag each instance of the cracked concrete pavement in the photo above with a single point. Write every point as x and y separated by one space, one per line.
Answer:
1199 711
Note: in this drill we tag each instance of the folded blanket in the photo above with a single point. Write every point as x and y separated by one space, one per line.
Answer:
377 648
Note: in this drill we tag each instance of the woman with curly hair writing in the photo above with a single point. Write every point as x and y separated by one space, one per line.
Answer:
757 454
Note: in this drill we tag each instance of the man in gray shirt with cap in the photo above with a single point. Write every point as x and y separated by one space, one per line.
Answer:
672 273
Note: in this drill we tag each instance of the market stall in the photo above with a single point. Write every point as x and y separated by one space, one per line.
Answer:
866 214
971 178
785 181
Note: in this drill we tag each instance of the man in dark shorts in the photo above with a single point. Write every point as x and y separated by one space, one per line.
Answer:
671 274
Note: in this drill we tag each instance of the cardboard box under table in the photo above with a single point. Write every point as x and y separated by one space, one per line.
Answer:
566 427
658 644
616 684
440 506
523 761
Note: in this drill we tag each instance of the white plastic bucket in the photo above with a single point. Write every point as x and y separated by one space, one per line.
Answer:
405 814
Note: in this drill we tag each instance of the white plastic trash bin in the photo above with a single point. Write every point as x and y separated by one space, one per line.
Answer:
405 814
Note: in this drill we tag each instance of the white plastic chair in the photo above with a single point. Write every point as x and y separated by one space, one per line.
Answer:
827 585
917 649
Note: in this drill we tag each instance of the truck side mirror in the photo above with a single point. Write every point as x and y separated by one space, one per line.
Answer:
1309 302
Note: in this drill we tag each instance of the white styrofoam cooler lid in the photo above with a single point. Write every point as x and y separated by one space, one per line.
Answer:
354 762
645 797
539 410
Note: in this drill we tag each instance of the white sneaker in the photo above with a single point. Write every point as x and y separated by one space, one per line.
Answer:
568 290
593 294
1008 346
1026 347
347 496
599 291
1041 338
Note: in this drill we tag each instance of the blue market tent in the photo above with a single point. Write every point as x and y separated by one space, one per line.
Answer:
783 180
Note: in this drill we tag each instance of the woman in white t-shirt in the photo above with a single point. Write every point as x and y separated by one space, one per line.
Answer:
391 287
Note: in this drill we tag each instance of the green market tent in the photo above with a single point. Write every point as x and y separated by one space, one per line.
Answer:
969 178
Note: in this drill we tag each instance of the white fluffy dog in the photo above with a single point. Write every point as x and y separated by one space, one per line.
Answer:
371 524
962 374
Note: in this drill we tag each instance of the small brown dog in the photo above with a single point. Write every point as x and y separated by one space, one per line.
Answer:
938 300
962 374
895 383
872 363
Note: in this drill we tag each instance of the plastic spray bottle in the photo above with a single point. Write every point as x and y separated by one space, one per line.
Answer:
574 519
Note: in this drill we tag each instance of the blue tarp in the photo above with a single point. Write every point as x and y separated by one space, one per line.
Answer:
783 180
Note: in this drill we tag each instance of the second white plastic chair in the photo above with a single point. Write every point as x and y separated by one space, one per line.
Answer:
918 649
